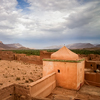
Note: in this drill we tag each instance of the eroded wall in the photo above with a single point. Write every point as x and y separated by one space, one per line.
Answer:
90 65
45 54
93 78
33 59
7 92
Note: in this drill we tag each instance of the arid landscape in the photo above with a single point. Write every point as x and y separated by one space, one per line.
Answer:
26 69
18 72
49 49
22 69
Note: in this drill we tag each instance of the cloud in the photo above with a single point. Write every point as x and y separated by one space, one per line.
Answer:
48 22
57 5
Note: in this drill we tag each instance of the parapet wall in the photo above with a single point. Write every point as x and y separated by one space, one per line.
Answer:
44 86
15 92
40 88
7 93
93 78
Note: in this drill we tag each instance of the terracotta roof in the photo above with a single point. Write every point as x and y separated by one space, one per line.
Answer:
64 54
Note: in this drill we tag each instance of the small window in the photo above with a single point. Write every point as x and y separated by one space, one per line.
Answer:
58 71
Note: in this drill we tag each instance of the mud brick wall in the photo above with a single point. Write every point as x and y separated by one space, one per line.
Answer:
31 59
9 55
45 54
21 92
93 78
6 55
7 93
41 88
94 57
90 65
19 56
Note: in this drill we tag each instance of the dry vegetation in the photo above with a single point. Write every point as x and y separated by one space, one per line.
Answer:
18 72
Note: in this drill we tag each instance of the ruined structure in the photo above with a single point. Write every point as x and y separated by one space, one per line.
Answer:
33 59
93 75
94 65
45 54
68 67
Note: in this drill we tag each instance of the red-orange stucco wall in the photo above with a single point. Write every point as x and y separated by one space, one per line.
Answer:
68 75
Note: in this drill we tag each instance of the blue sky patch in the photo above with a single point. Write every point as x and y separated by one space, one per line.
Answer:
23 4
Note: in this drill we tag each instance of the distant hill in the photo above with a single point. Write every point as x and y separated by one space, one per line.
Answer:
3 46
80 45
98 45
13 46
75 46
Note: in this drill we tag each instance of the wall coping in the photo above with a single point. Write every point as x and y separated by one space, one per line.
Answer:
71 61
42 79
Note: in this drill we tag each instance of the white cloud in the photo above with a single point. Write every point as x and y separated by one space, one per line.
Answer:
52 5
49 20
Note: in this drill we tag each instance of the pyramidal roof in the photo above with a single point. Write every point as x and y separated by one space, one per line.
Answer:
64 54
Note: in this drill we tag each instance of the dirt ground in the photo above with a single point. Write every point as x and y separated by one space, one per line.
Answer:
18 72
87 92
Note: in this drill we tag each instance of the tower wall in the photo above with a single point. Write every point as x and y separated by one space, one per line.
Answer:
69 75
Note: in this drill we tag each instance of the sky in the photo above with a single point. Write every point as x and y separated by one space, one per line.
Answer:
44 23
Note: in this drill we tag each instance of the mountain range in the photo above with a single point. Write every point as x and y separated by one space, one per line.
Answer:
17 46
76 46
13 46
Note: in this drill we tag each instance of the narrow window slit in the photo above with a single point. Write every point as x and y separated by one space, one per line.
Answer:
58 71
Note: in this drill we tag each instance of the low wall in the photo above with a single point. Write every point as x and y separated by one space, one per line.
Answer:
7 93
15 92
40 88
93 78
44 86
9 55
45 54
21 92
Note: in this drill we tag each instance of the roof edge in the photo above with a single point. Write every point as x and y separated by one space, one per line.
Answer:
71 61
